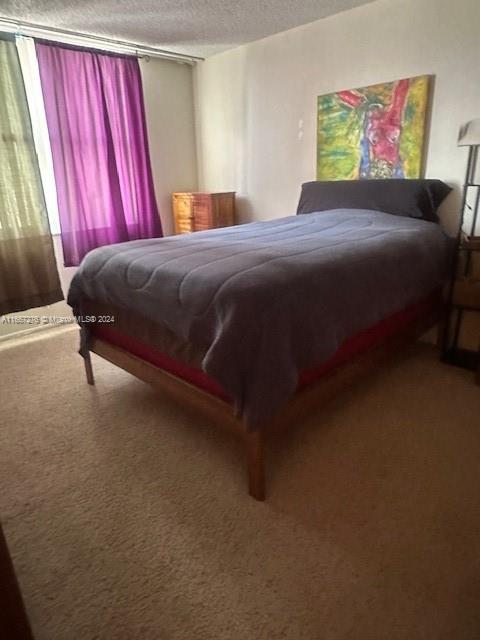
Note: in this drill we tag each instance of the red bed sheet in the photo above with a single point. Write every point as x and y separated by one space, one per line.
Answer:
350 348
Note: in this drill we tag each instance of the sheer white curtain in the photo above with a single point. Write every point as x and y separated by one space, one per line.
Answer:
33 89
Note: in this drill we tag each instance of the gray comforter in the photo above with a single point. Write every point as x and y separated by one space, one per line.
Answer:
268 299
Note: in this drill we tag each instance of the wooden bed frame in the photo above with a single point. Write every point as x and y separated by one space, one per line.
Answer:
303 402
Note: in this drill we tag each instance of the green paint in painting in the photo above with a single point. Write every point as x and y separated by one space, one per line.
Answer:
372 132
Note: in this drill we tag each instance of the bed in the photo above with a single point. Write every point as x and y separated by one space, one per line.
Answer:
258 324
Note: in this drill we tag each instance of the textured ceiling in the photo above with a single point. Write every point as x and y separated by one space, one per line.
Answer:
198 27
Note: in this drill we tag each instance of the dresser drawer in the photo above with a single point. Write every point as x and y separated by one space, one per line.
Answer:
183 213
202 213
223 210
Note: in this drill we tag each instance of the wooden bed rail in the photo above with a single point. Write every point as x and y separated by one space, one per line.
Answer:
304 402
216 409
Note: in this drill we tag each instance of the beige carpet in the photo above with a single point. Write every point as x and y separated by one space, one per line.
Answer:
127 516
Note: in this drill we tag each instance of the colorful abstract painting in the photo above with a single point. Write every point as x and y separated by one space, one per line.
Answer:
373 132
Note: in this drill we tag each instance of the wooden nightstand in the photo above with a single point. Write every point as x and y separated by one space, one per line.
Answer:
196 211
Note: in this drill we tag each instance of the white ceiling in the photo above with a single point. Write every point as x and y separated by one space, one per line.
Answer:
197 27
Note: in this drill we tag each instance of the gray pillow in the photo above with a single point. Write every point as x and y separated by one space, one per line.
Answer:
411 198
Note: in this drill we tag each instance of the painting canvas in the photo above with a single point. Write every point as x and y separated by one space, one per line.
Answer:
373 132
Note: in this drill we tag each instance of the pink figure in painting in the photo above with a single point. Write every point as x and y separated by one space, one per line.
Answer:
382 129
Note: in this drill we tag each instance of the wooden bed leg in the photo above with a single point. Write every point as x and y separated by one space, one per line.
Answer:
256 470
88 368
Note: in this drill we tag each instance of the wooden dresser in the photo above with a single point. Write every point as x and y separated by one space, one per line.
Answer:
195 211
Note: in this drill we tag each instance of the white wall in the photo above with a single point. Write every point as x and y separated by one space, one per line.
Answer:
250 100
168 93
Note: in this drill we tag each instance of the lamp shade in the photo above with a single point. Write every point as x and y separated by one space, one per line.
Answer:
469 134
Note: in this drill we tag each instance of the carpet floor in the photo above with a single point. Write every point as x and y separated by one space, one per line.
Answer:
127 516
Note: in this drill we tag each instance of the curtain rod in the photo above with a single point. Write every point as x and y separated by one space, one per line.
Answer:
19 27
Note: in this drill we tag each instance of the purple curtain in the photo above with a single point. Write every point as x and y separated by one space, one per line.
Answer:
96 123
